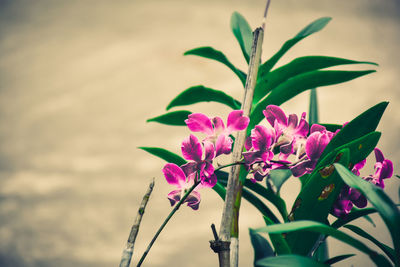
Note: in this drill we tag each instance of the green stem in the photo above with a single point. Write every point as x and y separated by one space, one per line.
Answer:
197 182
229 165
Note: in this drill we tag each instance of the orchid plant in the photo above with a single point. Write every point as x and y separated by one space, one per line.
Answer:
326 158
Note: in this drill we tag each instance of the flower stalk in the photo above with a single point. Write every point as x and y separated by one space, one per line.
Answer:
233 186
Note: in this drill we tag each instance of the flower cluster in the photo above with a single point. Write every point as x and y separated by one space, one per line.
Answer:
351 196
290 143
200 154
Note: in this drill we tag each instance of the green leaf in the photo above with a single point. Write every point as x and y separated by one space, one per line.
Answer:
200 93
176 118
279 177
353 215
261 246
336 259
313 109
243 33
312 226
385 206
331 127
313 27
164 154
278 241
299 84
268 81
211 53
322 252
360 126
289 260
386 249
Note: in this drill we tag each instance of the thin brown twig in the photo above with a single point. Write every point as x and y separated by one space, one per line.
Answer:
128 251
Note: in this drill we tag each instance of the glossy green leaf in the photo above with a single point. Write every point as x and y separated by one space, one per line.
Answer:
322 252
278 241
211 53
279 177
386 249
164 154
299 84
317 227
267 82
243 33
361 125
176 118
311 28
261 246
336 259
331 127
314 203
313 107
289 260
200 93
353 215
377 197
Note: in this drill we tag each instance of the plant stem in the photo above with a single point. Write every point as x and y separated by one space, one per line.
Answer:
229 165
128 251
197 182
233 180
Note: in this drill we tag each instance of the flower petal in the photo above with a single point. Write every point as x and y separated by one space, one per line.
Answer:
379 155
209 151
174 196
191 148
209 181
193 200
316 144
262 137
300 169
174 175
317 128
223 145
198 122
236 121
274 113
219 125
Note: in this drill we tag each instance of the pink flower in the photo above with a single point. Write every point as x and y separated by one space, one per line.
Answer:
177 177
215 129
290 134
192 150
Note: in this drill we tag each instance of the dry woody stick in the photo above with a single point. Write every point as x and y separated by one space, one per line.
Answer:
128 251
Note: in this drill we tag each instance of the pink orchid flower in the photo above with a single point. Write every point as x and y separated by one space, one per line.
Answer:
290 134
215 129
177 177
192 150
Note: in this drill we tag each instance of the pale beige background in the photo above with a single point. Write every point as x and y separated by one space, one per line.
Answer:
79 78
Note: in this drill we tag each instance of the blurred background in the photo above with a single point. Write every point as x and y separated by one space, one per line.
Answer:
78 79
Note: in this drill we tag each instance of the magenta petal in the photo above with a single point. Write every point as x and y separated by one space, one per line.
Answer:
292 121
174 196
251 157
198 122
316 144
219 126
209 181
387 169
300 169
223 145
236 121
207 169
273 113
189 169
379 155
174 174
302 129
193 200
317 128
209 151
262 137
191 148
248 145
